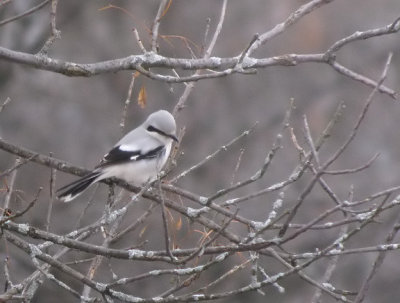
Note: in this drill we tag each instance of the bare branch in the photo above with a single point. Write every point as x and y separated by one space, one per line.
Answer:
2 106
24 14
363 112
22 212
156 24
139 41
128 100
223 148
207 53
143 62
378 262
217 30
291 20
55 33
167 238
10 188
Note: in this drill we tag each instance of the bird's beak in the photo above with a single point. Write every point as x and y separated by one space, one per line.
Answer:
174 138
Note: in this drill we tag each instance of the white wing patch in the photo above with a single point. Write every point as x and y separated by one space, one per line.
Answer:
128 147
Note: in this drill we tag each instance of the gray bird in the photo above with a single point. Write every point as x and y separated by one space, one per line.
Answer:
137 158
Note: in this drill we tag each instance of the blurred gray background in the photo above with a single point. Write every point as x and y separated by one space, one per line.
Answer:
77 119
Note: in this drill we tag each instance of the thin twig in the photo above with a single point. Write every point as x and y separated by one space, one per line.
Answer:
139 41
305 277
24 14
201 248
363 112
377 263
393 27
310 141
156 25
223 276
363 79
238 162
217 30
4 2
51 198
56 281
17 165
89 202
34 251
2 106
10 188
94 265
24 211
352 170
207 53
244 52
55 33
211 156
128 101
291 20
276 145
203 45
135 224
328 272
338 152
167 238
8 283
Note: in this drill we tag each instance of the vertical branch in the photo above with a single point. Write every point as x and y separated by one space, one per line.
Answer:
310 141
238 162
10 188
53 12
51 198
88 204
329 271
254 256
127 102
203 46
165 224
139 41
217 30
363 113
8 283
2 106
112 233
377 263
55 33
106 242
189 87
156 25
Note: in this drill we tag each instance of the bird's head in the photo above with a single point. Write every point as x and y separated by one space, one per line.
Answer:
161 125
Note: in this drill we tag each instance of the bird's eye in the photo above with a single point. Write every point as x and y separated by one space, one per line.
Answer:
151 129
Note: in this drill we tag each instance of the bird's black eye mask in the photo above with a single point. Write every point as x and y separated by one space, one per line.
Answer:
160 132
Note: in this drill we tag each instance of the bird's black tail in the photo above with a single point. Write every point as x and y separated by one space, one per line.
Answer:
70 191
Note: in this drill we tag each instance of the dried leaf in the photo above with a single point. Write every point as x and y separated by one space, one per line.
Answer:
166 9
178 224
142 231
142 98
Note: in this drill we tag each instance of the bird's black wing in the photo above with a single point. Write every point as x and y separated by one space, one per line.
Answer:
118 155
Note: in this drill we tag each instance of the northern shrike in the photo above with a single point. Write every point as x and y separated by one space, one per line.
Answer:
137 158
